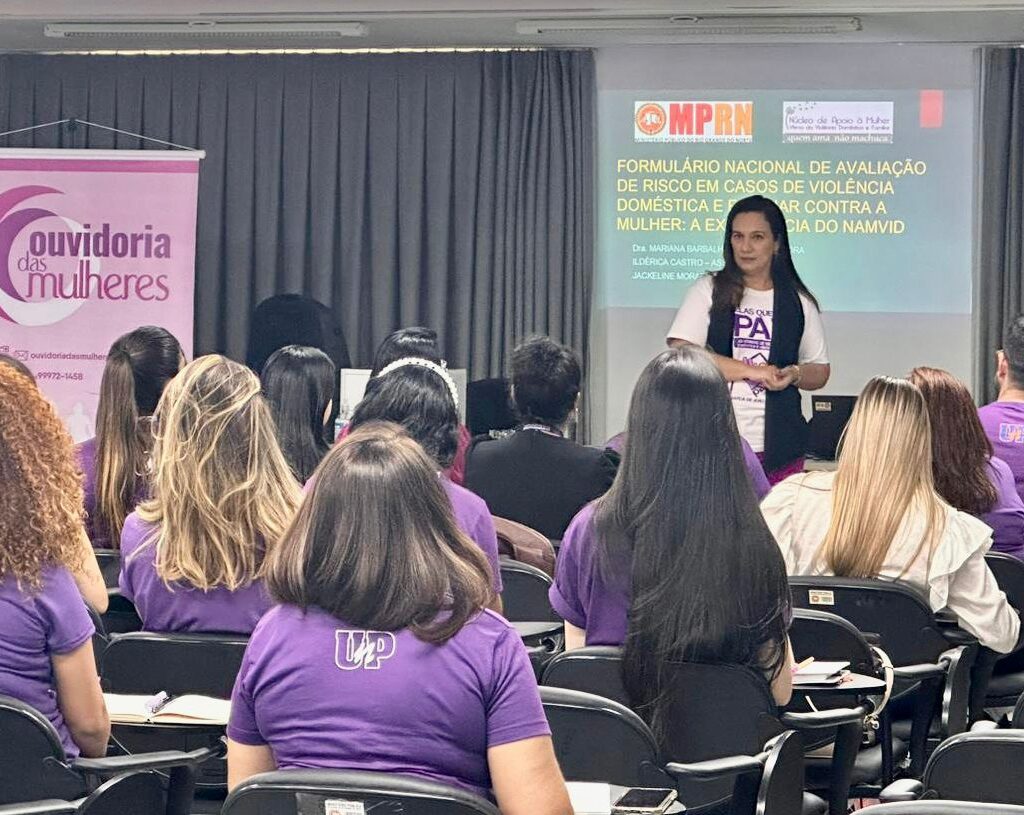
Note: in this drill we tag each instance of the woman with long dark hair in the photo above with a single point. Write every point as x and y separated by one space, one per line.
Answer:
967 475
675 560
298 382
764 328
381 654
115 463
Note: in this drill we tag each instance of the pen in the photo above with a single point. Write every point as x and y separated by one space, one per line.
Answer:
803 664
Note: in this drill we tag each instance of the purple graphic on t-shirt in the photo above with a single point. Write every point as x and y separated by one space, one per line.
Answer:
362 649
752 341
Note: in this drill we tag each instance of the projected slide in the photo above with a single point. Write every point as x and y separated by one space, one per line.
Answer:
876 187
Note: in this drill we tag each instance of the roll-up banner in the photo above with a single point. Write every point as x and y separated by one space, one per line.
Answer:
93 243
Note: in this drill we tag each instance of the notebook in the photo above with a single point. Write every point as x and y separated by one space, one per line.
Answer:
186 709
821 673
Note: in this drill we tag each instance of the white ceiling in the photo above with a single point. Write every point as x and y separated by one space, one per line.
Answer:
462 23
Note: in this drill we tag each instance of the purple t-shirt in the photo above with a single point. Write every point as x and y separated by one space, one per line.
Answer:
87 462
1004 426
754 466
1007 515
182 607
474 518
32 628
322 695
579 594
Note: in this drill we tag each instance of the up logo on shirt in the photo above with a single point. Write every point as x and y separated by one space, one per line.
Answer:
362 649
1012 433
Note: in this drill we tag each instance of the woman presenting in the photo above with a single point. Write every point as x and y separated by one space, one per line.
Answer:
763 327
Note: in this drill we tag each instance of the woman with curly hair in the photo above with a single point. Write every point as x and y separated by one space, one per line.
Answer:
222 495
46 657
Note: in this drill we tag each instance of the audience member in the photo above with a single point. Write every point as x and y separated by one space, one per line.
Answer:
382 655
298 383
17 365
1003 419
420 395
676 562
192 556
46 656
878 515
967 475
754 467
115 463
537 476
417 341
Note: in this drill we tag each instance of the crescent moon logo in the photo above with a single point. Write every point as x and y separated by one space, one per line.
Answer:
13 306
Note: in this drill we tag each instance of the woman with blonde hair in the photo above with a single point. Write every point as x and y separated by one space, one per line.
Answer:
46 657
223 494
879 515
115 463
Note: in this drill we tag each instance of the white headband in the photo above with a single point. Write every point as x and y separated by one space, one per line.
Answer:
430 366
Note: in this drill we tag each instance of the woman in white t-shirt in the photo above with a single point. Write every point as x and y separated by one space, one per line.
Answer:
879 515
764 329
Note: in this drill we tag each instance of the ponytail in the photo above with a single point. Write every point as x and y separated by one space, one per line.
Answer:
122 445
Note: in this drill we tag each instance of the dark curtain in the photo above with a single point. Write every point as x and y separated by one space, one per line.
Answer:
1000 293
449 190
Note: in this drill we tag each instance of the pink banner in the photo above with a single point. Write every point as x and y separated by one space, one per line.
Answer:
92 244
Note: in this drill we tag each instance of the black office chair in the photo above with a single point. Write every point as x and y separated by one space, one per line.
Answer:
141 792
1007 682
599 740
298 792
830 637
148 662
978 766
932 660
34 766
109 561
716 710
525 592
120 616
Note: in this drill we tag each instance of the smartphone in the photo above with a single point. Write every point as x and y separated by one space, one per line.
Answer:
644 800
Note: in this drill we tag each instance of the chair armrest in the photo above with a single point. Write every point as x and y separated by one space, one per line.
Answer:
162 760
831 717
715 767
915 673
957 636
903 789
50 806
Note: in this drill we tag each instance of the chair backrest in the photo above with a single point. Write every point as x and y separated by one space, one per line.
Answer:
524 593
599 740
521 543
1009 574
127 793
120 616
596 669
977 766
147 662
830 637
297 792
32 760
894 611
109 561
781 790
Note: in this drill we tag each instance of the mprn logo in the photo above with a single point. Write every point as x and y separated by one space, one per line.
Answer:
651 118
1011 433
362 649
